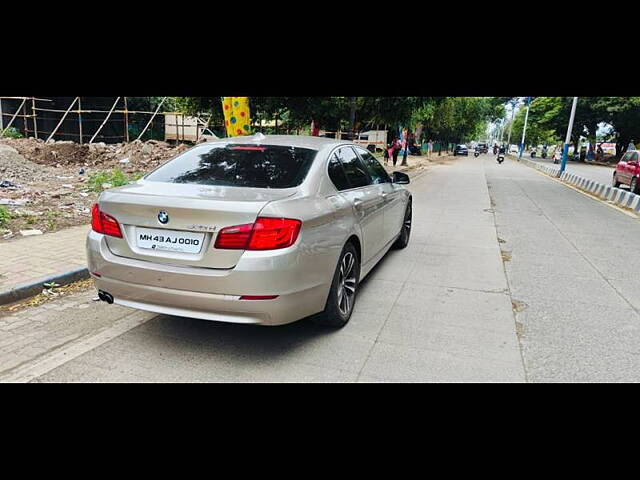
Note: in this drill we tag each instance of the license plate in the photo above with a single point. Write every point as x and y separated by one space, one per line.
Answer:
169 240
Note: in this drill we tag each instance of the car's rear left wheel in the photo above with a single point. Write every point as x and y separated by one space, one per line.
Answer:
344 287
405 230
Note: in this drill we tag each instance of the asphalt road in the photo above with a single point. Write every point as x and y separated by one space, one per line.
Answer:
573 273
599 173
510 276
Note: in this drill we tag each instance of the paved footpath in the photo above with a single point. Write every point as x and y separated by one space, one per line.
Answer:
27 259
439 310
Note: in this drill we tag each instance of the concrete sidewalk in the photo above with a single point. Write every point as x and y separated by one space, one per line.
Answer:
27 262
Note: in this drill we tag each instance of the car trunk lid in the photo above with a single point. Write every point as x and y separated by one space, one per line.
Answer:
192 215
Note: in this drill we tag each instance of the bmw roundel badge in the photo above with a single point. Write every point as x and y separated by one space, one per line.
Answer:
163 217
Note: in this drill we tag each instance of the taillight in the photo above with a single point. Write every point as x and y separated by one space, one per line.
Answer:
265 234
103 223
234 238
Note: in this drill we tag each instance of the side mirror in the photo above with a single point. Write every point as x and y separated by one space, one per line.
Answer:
400 178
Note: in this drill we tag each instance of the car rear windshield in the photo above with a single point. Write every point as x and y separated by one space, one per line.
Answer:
257 166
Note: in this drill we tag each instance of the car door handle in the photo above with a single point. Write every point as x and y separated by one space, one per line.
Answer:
357 203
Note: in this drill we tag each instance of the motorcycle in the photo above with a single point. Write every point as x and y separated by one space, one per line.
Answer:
544 154
533 154
476 153
500 157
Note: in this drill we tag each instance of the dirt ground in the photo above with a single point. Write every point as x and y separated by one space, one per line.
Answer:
44 187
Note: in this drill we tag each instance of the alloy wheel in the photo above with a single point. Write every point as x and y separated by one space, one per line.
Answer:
406 225
347 283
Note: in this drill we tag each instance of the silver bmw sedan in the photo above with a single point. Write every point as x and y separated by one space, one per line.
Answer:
258 229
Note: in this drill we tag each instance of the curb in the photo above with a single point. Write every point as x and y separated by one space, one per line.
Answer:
30 289
616 196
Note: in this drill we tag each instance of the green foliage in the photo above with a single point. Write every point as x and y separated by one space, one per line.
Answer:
445 118
12 133
116 178
457 119
50 218
5 216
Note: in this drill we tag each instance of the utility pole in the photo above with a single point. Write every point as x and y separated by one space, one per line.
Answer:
513 109
565 149
524 129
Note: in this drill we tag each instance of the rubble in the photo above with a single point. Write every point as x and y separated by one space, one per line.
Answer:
50 179
29 233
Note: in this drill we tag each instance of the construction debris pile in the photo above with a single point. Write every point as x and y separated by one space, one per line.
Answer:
43 187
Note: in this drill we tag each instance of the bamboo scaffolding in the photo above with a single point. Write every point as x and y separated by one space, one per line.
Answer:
27 98
35 122
151 119
62 120
126 119
13 118
105 121
80 118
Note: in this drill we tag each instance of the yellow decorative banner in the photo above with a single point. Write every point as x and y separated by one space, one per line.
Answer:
236 115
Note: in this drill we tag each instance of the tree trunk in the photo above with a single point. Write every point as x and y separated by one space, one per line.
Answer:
352 115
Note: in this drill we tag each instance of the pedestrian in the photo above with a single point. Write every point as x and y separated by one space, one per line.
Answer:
430 148
556 155
395 151
386 155
405 147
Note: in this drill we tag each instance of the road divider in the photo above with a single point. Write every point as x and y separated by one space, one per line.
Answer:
617 196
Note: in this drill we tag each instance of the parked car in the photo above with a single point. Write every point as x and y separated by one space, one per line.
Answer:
484 148
258 229
628 171
461 150
514 149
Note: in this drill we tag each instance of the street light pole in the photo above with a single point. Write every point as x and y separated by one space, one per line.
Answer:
565 149
524 129
513 109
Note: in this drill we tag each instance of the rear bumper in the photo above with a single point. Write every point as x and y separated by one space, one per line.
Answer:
301 285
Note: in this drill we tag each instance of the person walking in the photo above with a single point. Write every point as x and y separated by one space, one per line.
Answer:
386 155
395 150
430 149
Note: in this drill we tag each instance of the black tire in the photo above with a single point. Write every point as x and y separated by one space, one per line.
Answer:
340 303
615 182
633 186
405 230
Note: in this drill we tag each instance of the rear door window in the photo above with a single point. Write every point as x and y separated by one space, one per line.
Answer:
337 174
238 165
376 171
353 167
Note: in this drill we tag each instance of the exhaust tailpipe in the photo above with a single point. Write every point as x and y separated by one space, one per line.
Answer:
105 297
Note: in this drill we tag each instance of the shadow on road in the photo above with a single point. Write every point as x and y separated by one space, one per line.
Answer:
254 343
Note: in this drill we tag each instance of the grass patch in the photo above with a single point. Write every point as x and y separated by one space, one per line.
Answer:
5 216
12 133
50 218
115 178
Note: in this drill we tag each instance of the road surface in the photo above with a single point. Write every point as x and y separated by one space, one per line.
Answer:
599 173
510 276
